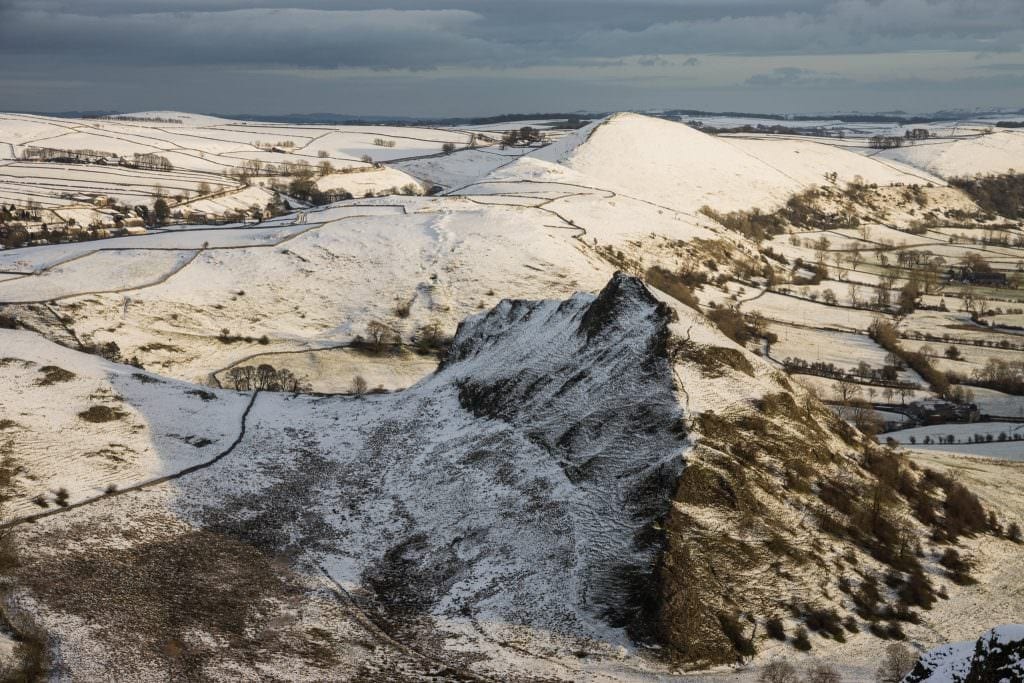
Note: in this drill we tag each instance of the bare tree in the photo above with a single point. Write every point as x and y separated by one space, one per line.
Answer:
855 258
897 663
287 381
778 670
265 376
821 672
380 335
249 375
252 166
821 247
239 378
883 294
933 273
975 302
846 392
359 385
838 259
854 287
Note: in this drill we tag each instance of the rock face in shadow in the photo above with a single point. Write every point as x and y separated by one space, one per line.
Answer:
523 484
588 383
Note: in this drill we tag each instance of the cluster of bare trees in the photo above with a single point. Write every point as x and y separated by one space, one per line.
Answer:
298 169
524 136
383 142
380 336
265 377
272 146
152 162
779 670
139 119
75 155
1002 375
885 142
895 663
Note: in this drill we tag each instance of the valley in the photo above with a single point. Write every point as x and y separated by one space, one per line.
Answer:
634 400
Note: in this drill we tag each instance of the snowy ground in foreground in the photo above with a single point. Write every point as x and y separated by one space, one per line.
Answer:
155 426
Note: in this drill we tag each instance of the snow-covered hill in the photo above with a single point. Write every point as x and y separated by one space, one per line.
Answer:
683 168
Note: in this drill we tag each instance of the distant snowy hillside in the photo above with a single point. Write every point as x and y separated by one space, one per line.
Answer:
680 167
1001 151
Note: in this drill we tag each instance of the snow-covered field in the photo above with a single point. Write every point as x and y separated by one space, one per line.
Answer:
993 402
202 152
333 371
997 152
142 426
987 439
359 184
842 349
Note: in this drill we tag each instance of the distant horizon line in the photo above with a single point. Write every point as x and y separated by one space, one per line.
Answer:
326 118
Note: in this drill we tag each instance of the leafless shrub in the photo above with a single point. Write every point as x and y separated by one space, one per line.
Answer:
54 375
99 414
896 664
778 670
822 672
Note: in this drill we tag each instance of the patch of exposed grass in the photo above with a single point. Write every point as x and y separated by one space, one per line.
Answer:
712 360
673 284
202 393
101 414
152 598
160 346
54 375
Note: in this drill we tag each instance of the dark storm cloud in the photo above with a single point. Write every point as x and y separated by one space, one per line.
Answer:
65 54
417 34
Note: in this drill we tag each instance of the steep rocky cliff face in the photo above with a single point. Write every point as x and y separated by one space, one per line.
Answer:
587 384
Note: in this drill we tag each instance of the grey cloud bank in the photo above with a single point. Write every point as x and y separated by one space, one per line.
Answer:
435 57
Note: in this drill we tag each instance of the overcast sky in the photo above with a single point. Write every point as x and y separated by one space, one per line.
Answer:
474 57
